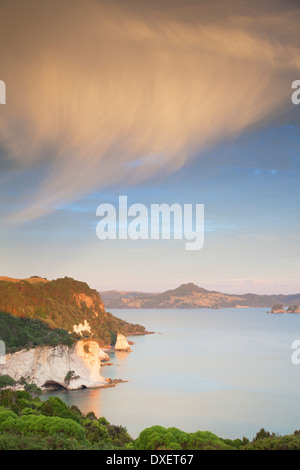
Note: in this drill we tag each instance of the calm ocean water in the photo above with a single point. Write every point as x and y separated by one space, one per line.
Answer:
228 371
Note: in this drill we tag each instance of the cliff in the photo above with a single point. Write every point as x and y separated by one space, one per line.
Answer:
63 304
66 367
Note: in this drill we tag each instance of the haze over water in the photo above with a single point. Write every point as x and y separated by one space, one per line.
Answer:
228 371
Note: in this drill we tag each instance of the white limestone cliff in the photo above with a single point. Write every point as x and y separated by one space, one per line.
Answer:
122 343
48 366
82 327
103 356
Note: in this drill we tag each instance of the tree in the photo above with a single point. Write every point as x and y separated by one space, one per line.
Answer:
70 376
6 381
33 389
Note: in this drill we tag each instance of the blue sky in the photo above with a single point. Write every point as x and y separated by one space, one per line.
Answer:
205 119
252 226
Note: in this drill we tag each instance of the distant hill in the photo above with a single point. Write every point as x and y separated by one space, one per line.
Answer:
64 304
192 296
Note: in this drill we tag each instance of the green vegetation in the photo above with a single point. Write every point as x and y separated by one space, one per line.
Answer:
160 438
27 422
19 333
157 437
33 389
6 381
43 313
70 376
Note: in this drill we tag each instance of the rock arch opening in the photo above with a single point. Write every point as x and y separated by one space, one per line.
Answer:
53 385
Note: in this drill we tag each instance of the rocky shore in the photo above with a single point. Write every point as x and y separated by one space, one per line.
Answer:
62 367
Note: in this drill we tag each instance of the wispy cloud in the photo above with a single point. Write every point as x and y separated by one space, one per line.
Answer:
94 88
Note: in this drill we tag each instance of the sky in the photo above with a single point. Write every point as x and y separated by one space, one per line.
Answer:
166 101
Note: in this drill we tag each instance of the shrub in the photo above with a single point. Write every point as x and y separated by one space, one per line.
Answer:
7 414
291 442
118 435
33 389
70 376
6 381
158 437
31 425
54 406
95 431
6 398
205 440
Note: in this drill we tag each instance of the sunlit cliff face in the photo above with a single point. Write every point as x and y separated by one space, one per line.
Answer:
50 365
90 356
100 93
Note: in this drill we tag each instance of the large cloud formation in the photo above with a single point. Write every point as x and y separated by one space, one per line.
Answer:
102 92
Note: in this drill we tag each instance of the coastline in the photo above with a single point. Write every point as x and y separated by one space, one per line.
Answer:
212 371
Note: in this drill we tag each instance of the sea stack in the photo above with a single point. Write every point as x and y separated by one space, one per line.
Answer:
278 308
122 344
293 309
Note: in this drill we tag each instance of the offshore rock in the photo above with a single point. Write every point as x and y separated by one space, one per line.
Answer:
122 343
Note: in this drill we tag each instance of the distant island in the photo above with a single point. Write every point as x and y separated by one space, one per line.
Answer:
192 296
279 308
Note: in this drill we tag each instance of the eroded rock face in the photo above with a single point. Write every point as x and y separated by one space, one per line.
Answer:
91 301
122 343
51 366
82 327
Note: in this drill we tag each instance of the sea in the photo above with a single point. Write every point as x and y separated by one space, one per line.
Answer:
228 371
